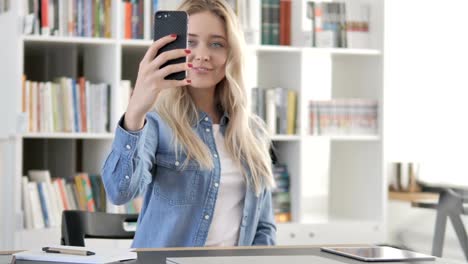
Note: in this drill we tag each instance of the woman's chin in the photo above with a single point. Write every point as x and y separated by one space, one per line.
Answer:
201 84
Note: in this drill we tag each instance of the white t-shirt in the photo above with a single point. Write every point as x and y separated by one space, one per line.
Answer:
225 225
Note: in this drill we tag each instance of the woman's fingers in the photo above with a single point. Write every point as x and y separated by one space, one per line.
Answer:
157 45
174 68
168 55
178 83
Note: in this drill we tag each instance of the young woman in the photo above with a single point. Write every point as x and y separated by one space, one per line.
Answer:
191 147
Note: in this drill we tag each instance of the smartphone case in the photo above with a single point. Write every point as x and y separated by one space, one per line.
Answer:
172 22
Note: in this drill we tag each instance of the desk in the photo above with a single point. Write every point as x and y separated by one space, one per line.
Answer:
6 256
160 256
296 254
310 259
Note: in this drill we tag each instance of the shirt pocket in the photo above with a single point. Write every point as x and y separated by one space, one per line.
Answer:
175 183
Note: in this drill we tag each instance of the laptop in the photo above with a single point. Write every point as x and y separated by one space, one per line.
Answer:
377 253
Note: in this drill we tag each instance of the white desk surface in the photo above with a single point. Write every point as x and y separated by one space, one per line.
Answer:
253 260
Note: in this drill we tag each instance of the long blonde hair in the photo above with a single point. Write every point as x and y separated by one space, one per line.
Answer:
246 137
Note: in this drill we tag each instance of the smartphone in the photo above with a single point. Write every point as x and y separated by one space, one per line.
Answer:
172 22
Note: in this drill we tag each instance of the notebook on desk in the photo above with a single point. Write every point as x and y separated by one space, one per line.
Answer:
100 256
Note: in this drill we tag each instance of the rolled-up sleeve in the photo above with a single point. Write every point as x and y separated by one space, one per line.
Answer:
266 228
127 169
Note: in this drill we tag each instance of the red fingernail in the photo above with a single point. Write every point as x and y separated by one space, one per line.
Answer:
190 65
189 81
188 51
173 35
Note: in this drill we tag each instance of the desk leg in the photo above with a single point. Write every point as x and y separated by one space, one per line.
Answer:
439 233
461 232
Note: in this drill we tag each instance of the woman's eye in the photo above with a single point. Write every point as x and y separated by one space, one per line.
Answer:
217 45
191 43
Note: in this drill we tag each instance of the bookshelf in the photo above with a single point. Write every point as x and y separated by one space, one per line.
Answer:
337 185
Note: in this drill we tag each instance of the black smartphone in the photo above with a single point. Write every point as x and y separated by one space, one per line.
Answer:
172 22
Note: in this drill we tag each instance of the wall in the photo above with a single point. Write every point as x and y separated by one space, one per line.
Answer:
426 62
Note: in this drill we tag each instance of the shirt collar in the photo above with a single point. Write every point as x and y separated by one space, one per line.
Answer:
223 121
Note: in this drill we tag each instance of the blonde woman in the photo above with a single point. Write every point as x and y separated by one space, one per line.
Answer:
191 147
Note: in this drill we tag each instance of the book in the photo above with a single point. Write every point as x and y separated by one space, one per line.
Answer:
26 203
100 256
82 18
36 207
285 22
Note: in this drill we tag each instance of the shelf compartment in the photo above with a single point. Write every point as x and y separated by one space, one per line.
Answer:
136 43
346 137
69 40
69 135
330 51
285 138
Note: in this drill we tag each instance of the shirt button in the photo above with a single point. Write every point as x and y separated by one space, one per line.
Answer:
206 119
216 184
215 155
207 217
126 177
177 163
128 147
207 130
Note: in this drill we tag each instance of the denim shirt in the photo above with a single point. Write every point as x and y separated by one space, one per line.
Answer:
178 203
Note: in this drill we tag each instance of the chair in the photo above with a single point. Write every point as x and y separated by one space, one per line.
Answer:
451 205
78 225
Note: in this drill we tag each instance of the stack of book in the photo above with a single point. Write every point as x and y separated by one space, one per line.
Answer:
339 25
281 195
44 198
343 117
68 18
133 15
66 105
277 107
276 22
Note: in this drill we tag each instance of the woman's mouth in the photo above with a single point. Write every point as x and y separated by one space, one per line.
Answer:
201 70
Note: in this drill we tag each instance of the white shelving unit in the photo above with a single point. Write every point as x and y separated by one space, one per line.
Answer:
337 182
338 189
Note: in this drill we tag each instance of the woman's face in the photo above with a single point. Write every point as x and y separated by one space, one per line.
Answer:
208 42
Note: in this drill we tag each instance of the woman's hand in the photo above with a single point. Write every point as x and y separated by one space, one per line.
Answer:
150 81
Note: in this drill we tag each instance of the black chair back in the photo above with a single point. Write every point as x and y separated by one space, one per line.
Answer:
78 225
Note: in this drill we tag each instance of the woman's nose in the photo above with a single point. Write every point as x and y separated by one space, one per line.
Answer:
201 53
202 57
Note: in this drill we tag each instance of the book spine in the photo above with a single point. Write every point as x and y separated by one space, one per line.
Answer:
90 206
76 119
271 111
274 21
265 22
107 18
45 30
36 205
285 22
128 20
82 91
45 209
96 19
71 18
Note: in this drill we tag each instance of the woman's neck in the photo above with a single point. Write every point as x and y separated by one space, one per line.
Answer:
205 101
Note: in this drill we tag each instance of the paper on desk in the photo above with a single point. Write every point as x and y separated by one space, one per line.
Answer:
101 256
